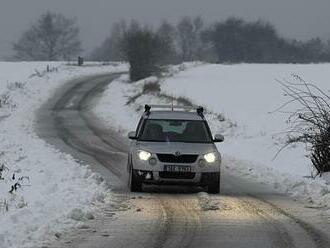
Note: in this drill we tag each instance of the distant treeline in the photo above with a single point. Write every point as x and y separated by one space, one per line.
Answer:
231 41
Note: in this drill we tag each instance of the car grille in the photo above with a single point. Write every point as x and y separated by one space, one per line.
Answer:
177 175
171 158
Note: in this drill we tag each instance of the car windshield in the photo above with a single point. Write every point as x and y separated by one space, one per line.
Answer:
188 131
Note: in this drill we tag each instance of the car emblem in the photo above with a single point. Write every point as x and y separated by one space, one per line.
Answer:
177 153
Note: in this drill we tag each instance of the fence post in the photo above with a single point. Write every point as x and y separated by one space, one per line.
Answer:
80 61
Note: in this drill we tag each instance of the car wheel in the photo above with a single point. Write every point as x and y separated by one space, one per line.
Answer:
214 186
135 184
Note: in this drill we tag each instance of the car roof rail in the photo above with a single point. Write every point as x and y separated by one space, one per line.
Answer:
198 109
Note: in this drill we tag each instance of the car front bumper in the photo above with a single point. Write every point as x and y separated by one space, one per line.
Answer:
171 178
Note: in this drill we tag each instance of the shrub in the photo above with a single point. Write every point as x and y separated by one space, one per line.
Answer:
16 85
4 99
141 50
310 121
144 50
151 88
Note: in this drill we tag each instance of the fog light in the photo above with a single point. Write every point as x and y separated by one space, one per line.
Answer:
152 161
201 162
140 173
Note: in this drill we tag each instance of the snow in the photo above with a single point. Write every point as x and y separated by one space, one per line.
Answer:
207 203
56 190
116 97
246 95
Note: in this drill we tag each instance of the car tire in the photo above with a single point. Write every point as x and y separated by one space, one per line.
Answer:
214 186
135 184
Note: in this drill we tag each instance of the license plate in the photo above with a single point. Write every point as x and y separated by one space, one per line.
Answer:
177 168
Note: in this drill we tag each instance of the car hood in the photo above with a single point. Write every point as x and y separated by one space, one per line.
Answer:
173 147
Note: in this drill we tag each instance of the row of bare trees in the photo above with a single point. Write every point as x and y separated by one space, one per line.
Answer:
182 42
55 37
147 49
231 41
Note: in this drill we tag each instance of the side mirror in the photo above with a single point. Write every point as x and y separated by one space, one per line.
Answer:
218 138
132 135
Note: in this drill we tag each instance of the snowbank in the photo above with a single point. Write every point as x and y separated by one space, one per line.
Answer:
245 95
47 187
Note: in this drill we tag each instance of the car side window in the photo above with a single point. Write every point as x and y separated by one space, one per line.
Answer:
138 128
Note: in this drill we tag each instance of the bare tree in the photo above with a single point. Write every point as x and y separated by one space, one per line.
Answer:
199 44
167 34
185 33
52 37
102 52
111 49
117 34
189 38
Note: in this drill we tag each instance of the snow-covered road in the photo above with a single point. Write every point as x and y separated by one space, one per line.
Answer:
246 214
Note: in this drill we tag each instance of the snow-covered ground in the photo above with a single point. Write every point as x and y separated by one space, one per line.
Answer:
245 95
52 190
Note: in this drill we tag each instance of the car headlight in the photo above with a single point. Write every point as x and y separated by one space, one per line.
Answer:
210 157
143 155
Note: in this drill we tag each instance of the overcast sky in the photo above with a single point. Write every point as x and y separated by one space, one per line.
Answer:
301 19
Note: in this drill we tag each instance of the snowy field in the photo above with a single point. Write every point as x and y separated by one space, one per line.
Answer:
246 95
42 191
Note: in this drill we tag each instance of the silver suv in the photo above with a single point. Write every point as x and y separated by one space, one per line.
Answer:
174 145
